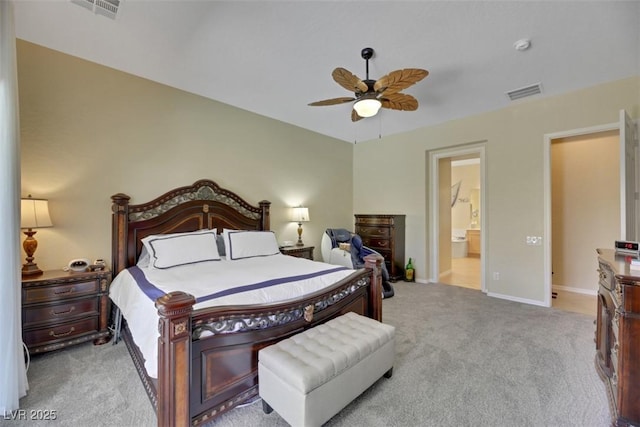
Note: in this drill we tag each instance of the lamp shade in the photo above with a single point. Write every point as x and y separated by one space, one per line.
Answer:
367 107
300 214
34 213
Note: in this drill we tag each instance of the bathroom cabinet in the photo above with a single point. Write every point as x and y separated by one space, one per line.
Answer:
473 242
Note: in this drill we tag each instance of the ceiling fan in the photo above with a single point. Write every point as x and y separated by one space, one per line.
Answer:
370 95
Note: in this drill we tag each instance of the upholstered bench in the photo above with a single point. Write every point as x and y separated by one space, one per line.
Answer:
311 376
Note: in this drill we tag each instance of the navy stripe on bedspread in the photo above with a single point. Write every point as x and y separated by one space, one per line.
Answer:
145 286
154 293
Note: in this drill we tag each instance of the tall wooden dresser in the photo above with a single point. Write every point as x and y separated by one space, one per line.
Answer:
384 234
618 336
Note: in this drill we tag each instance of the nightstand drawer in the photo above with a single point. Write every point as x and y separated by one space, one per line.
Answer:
298 251
64 331
62 308
373 232
53 293
43 314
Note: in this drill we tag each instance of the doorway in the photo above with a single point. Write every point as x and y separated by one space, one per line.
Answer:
463 266
456 216
585 210
626 188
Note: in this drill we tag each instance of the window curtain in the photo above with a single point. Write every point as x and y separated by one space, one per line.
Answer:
13 375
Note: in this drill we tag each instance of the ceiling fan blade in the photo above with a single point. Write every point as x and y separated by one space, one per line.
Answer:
355 117
397 80
399 101
332 101
349 81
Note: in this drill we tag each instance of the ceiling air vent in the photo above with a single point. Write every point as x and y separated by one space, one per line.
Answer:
108 8
525 91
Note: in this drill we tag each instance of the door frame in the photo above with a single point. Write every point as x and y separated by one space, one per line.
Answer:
434 157
546 241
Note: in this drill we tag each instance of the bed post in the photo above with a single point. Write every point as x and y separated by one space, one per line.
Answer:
264 217
120 209
374 263
174 359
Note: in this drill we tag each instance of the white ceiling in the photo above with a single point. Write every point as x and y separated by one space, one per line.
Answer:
274 57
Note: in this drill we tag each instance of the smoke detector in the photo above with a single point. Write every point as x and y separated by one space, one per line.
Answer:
522 44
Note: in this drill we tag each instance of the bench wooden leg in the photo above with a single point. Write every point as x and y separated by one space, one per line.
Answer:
389 373
266 407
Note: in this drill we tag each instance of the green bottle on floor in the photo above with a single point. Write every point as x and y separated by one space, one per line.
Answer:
409 272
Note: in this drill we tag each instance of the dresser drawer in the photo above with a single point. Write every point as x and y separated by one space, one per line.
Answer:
377 220
373 232
386 254
606 276
64 291
50 313
376 244
62 331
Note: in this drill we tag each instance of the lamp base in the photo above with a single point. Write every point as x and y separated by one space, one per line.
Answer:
30 245
30 269
299 242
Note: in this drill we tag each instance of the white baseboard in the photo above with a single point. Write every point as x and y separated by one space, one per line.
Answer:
576 290
516 299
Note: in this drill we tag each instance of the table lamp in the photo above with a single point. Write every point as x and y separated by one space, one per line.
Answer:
300 215
34 213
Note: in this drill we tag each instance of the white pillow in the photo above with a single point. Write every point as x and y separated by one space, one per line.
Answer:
248 244
171 250
144 258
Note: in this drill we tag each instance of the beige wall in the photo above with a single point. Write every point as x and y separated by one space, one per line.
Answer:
89 132
514 196
585 206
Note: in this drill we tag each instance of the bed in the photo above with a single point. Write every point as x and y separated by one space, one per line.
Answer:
207 357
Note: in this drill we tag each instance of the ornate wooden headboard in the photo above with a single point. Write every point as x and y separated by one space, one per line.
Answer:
201 205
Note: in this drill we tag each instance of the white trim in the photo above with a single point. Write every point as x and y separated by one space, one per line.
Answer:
546 238
433 218
582 291
465 162
516 299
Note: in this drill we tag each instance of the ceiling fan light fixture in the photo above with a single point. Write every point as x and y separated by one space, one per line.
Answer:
367 107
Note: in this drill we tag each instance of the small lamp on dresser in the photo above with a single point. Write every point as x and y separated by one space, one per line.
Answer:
300 215
34 213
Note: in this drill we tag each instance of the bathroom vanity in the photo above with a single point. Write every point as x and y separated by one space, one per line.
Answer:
473 242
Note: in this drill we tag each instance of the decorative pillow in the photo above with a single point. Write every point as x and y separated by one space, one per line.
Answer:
171 250
248 244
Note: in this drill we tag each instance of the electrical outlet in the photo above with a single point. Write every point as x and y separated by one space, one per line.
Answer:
534 240
496 275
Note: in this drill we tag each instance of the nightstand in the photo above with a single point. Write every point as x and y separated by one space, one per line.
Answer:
61 308
298 251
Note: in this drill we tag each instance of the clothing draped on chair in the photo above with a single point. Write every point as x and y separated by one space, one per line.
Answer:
358 252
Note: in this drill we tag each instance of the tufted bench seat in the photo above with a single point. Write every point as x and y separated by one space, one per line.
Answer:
311 376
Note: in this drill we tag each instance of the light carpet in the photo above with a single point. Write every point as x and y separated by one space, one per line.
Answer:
463 359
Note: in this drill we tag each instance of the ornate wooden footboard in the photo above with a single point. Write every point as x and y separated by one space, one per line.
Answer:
207 358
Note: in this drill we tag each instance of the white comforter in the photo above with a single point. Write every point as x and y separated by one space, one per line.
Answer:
204 279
